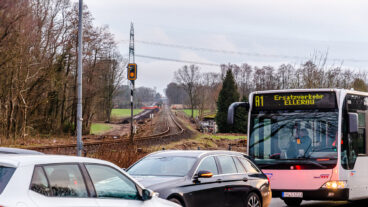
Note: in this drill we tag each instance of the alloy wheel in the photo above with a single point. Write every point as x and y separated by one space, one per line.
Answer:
253 200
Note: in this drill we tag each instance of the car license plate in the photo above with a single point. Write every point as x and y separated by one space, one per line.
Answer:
292 194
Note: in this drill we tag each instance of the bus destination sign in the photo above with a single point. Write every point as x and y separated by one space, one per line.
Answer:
297 100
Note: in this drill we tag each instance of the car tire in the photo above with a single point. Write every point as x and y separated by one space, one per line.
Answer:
177 201
253 200
292 201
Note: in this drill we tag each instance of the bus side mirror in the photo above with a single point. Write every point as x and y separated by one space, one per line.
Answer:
232 108
353 122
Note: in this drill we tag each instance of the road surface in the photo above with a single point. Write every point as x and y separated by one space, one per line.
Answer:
276 202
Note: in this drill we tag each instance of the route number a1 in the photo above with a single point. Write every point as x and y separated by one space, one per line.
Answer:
258 101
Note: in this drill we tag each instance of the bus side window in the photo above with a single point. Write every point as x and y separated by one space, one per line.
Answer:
361 133
366 131
354 144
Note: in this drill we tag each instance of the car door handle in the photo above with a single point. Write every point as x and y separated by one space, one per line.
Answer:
219 180
245 179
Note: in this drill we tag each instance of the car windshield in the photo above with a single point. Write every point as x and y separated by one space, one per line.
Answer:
163 166
294 137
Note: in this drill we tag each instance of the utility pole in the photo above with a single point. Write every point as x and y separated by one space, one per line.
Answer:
79 81
132 76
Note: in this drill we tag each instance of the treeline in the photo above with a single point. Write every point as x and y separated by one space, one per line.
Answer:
195 89
287 76
200 90
38 64
142 97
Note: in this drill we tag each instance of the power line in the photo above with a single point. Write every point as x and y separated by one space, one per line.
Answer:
202 49
177 60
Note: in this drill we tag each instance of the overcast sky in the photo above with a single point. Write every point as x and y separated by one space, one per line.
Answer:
291 30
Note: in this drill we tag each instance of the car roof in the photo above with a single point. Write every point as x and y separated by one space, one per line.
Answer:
16 160
8 150
193 153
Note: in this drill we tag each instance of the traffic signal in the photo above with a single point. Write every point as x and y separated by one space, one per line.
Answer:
132 71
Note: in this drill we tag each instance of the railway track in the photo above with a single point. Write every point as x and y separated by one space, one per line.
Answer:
174 131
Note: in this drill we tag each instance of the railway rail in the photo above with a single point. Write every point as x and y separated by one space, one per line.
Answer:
173 132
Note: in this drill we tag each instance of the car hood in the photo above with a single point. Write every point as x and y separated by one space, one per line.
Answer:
152 181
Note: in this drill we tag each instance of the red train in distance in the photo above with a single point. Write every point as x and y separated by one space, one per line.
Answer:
150 107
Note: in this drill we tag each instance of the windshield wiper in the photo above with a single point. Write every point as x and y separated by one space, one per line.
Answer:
306 159
326 148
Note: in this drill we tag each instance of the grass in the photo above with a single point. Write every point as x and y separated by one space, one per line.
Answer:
221 136
122 113
188 112
98 128
200 136
227 136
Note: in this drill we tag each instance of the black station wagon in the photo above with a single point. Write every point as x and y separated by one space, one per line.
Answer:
204 178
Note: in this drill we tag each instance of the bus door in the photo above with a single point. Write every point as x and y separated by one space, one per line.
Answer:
354 158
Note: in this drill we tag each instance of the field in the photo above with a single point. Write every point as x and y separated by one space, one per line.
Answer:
228 136
188 112
98 128
218 136
122 113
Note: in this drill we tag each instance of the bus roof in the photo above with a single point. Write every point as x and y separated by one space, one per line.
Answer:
352 91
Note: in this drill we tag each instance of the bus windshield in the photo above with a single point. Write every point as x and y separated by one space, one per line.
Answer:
282 139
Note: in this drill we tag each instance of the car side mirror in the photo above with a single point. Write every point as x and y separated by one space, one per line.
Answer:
147 194
353 122
204 174
232 109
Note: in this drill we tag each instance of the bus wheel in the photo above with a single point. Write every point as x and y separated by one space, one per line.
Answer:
293 201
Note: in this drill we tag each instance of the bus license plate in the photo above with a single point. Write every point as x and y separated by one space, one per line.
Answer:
292 194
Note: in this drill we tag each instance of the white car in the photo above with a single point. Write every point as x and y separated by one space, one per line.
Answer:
66 181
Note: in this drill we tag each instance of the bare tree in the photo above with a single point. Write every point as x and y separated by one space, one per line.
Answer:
188 77
175 93
38 53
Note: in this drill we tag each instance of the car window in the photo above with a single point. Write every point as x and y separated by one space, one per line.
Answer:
208 164
163 166
66 180
39 182
249 167
110 183
239 166
5 174
227 164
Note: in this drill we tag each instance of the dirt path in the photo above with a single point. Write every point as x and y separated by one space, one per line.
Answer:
144 128
118 129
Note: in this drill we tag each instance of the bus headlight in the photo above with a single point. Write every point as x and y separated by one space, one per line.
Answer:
335 184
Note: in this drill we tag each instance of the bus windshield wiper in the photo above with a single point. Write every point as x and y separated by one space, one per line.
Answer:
306 159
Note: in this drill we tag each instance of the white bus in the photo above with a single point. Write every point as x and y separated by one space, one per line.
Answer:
311 143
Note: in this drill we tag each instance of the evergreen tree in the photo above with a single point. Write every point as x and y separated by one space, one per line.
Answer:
241 119
227 96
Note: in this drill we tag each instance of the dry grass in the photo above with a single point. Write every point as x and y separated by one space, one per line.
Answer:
121 157
36 141
126 155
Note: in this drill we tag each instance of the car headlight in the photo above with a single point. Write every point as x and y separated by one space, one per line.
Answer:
335 184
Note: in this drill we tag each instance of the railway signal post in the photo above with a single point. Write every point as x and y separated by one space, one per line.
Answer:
132 76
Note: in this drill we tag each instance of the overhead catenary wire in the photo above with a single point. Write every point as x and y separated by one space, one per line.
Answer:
240 53
177 60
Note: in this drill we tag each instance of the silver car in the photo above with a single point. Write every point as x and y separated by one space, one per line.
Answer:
67 181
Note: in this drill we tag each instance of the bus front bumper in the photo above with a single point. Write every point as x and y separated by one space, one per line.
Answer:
320 194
